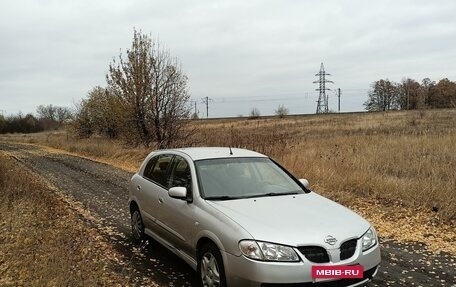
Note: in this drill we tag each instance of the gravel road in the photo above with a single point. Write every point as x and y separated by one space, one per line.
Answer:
100 193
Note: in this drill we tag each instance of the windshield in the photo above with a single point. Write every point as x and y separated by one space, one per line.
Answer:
232 178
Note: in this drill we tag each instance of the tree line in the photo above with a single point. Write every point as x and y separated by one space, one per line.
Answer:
409 94
48 118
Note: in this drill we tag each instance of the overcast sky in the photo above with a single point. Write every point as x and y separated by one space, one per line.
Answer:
242 54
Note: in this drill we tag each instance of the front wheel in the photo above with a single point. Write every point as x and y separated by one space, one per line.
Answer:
210 267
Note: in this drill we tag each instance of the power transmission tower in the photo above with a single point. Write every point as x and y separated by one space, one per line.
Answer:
205 101
322 103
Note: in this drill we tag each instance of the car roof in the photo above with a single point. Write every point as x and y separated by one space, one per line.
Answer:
199 153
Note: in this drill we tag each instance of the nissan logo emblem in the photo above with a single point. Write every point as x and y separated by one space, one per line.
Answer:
330 240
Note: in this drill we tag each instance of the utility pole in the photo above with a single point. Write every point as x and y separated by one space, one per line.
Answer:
195 113
408 98
322 103
205 101
338 96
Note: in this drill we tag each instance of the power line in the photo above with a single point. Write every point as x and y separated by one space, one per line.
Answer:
205 101
277 98
280 93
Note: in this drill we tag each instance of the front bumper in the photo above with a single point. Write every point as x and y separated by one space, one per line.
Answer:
242 271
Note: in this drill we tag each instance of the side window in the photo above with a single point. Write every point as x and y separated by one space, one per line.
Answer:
180 174
159 169
149 167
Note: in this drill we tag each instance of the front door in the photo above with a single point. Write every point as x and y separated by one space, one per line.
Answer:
177 215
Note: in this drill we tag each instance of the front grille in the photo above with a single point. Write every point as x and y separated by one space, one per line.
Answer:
347 249
314 253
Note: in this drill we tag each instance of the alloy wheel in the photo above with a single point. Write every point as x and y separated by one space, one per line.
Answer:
210 274
136 225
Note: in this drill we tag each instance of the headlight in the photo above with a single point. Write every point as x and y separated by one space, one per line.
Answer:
266 251
369 239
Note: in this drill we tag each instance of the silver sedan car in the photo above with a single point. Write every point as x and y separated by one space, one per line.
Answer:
240 219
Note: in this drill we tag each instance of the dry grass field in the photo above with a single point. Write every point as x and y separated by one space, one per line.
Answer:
42 242
396 168
406 158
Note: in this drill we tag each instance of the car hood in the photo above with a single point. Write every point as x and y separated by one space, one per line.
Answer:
302 219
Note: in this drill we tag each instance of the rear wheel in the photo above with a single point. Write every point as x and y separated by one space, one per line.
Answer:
137 226
210 267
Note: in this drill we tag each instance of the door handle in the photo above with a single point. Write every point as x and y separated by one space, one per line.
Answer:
160 200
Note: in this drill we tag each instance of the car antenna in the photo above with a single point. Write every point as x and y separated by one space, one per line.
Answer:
231 152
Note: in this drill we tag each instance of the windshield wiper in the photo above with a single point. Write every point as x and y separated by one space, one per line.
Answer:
221 197
273 194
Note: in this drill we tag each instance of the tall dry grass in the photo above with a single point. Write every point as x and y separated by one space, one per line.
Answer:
41 242
406 158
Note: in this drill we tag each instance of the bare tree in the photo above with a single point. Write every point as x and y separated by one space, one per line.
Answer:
426 87
47 112
281 111
152 88
383 96
410 96
53 116
62 114
254 113
442 94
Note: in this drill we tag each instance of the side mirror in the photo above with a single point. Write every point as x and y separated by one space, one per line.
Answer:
304 182
178 192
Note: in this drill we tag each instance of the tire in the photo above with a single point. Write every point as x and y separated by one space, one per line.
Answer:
137 227
210 267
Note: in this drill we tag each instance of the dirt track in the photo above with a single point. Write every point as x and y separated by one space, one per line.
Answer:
100 193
